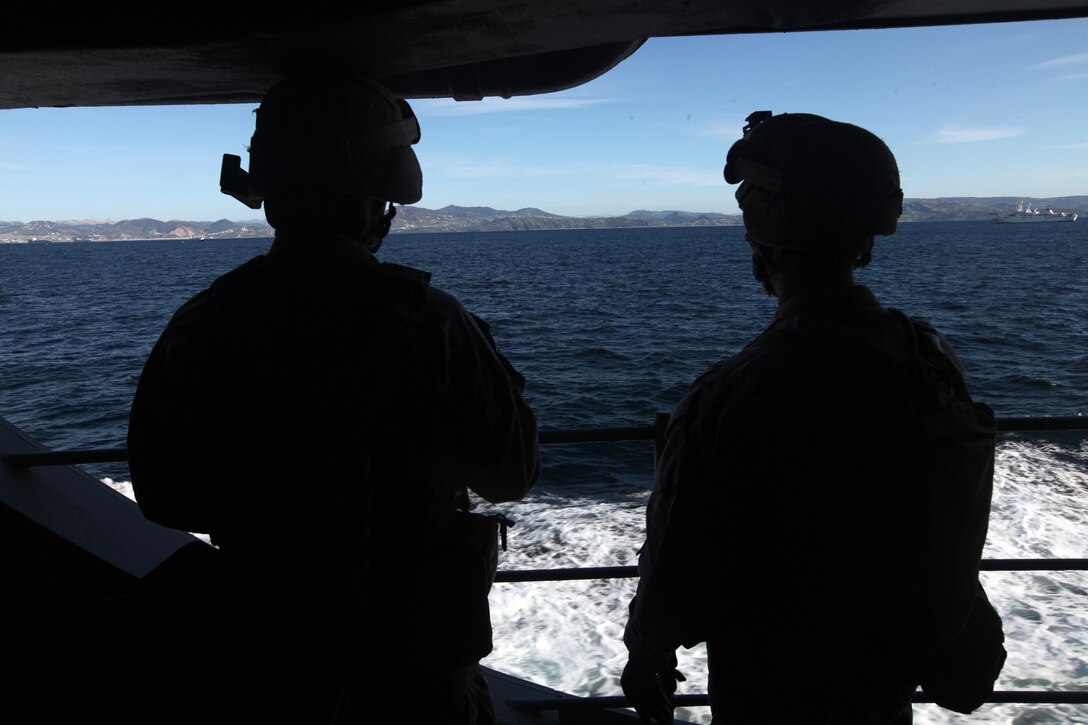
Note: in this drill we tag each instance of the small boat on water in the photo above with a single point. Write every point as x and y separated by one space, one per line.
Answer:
1024 214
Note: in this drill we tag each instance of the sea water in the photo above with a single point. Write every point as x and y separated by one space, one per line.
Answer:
610 327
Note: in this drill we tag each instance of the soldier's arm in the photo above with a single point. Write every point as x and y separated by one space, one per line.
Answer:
490 436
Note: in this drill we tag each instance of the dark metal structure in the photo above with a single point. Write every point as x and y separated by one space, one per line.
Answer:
203 52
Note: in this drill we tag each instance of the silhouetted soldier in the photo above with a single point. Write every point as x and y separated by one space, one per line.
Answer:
822 499
321 415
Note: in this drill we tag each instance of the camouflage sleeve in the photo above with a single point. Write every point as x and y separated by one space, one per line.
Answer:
164 435
666 612
489 432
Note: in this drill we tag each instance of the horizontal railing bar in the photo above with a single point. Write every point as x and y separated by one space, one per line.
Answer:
556 575
595 703
65 458
1042 423
1004 697
1034 565
1038 697
597 435
547 437
627 572
117 455
1041 697
1011 424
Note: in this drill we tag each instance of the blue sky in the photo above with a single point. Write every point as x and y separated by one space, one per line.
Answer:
994 110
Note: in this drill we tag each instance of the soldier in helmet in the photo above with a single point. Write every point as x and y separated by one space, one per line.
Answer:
322 416
821 502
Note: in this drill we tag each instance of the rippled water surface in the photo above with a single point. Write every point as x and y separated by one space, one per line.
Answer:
609 327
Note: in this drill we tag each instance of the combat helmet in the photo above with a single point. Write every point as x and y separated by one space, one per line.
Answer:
339 136
808 183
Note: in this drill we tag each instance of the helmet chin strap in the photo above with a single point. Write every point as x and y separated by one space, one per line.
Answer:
759 267
374 242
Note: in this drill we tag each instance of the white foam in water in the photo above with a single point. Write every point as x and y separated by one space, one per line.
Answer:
124 487
569 635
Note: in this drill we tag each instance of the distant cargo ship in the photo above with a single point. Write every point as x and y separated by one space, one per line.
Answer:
1027 215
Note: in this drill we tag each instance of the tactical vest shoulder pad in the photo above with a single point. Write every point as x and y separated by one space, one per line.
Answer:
407 274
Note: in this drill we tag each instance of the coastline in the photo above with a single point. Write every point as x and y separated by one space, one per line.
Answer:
450 219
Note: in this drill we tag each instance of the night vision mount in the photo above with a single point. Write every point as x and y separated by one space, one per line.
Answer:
234 181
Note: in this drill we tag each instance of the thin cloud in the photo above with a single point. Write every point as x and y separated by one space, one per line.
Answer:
505 105
1052 173
621 174
726 130
641 174
971 135
469 168
1063 60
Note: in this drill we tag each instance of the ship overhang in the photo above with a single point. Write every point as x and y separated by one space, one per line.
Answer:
199 52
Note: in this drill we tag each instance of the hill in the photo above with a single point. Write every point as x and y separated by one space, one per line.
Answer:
486 219
967 208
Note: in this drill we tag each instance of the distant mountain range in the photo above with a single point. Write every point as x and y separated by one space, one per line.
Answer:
486 219
974 208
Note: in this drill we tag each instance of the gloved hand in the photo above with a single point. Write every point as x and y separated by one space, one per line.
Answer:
650 690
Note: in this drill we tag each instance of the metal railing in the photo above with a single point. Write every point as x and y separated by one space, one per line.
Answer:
1006 697
25 461
655 433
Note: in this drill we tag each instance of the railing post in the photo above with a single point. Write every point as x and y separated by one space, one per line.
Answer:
661 422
